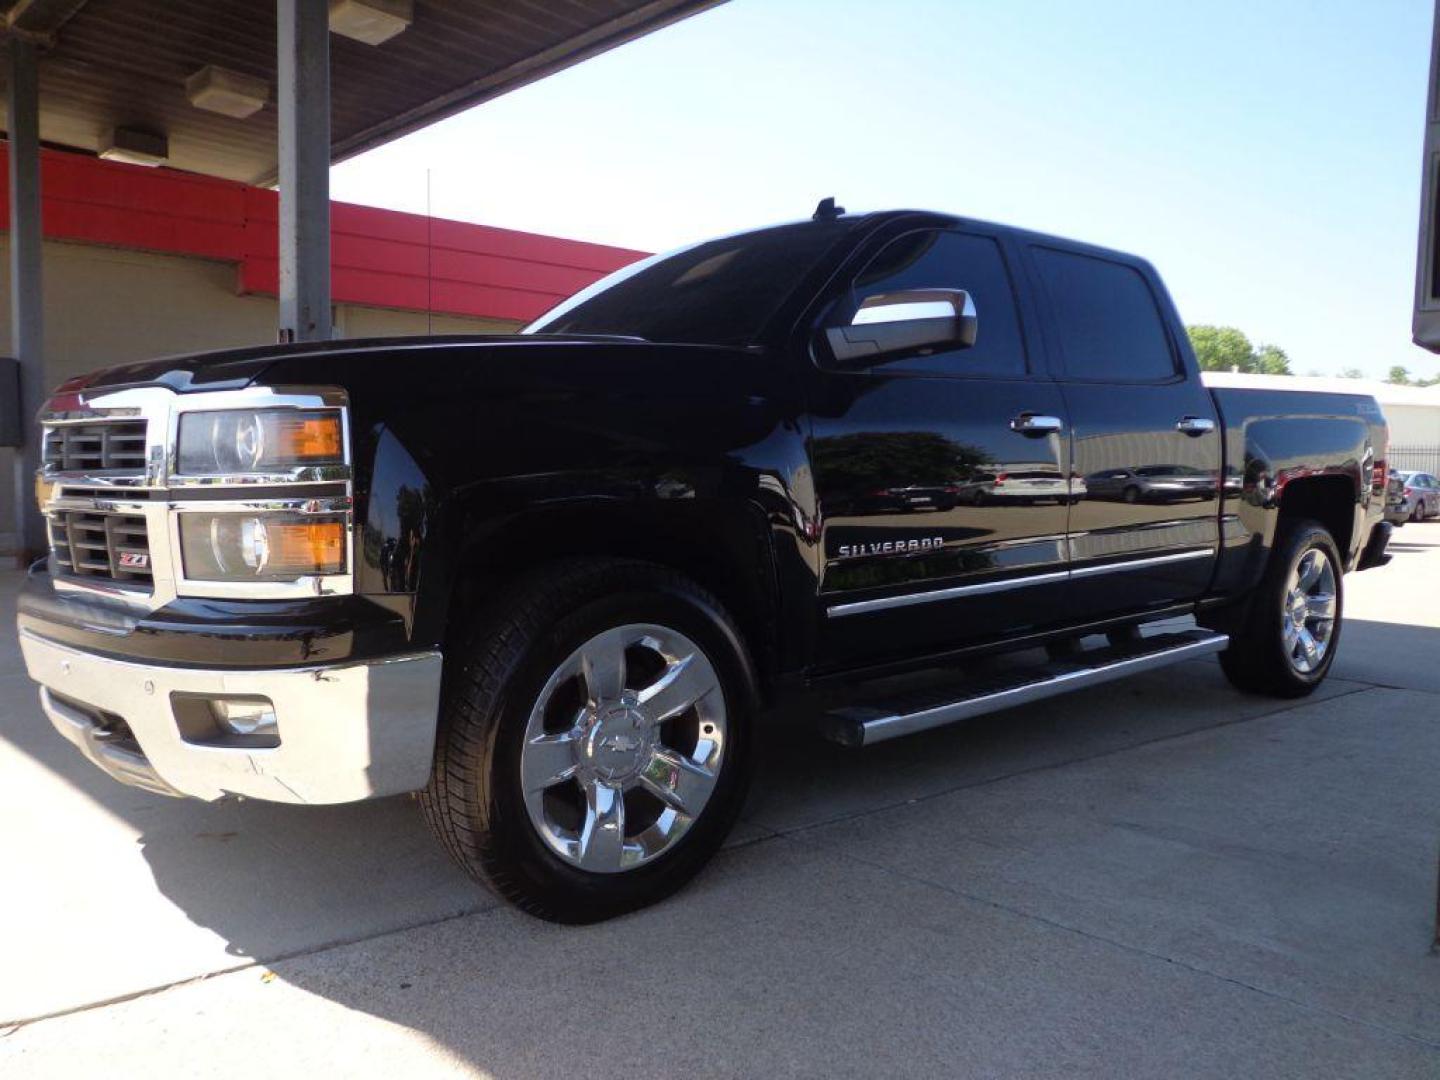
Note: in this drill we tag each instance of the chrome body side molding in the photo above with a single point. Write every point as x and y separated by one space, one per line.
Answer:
885 603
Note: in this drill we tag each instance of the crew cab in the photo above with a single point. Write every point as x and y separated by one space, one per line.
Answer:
551 582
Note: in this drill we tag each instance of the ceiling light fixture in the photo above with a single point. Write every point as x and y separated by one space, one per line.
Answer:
136 147
370 21
229 93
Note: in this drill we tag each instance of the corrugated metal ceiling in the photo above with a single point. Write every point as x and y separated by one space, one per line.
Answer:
124 63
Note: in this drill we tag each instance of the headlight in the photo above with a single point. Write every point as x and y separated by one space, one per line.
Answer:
261 547
237 441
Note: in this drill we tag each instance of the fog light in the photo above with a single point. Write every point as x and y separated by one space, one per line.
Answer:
245 717
236 721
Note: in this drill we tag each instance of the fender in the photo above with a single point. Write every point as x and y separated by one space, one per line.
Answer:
1322 461
489 459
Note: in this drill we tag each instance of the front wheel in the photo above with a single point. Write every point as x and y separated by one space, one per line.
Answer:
595 744
1287 641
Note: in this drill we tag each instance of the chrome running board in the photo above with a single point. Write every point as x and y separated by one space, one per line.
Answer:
862 725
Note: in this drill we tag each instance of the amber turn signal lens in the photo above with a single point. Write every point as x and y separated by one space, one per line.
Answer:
307 438
316 547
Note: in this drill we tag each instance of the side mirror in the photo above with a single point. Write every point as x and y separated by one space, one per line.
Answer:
889 325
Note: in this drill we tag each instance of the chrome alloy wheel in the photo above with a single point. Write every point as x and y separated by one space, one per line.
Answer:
623 747
1309 614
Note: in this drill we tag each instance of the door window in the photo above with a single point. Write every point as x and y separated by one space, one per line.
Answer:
940 259
1106 320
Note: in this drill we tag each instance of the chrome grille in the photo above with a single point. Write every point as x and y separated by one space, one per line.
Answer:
84 543
105 446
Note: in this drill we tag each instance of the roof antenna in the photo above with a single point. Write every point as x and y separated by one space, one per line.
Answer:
827 210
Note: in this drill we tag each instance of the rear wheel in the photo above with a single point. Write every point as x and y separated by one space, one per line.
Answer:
595 742
1419 513
1286 643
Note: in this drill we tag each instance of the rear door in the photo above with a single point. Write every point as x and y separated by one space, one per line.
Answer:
942 522
1145 447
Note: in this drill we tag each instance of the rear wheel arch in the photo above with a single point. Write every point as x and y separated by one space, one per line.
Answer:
1331 500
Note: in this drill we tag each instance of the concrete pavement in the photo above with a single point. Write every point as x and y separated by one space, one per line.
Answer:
1155 878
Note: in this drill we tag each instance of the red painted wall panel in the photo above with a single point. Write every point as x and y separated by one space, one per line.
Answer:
378 257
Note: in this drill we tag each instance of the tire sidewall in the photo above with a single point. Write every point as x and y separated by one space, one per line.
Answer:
1294 544
515 846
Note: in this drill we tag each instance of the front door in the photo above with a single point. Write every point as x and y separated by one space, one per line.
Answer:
942 479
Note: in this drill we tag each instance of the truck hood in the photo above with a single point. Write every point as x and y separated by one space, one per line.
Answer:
232 369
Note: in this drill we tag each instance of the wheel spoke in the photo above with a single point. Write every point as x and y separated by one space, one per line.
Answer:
603 666
602 837
684 682
1320 606
1310 568
1309 648
547 760
678 782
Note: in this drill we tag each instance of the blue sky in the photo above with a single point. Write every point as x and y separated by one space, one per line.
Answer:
1265 155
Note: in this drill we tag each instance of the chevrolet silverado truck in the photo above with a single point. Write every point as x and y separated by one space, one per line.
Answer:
552 582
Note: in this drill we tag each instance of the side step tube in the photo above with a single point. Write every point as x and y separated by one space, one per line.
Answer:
862 725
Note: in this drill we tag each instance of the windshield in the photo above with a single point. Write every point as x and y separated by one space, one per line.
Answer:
720 292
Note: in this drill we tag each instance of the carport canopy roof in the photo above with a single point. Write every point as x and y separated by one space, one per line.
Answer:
105 64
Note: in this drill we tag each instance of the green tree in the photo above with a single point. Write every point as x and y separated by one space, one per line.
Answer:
1399 375
1271 360
1224 348
1351 373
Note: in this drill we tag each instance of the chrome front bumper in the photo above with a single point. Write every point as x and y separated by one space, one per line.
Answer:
347 732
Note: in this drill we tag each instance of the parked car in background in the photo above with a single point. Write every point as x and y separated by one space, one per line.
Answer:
1396 512
1152 483
1421 492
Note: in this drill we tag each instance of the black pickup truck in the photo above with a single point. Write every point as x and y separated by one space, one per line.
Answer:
552 582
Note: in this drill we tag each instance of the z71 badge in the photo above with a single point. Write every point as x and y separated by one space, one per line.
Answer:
889 547
134 560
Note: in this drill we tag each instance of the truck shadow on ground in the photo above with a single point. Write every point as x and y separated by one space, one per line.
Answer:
282 885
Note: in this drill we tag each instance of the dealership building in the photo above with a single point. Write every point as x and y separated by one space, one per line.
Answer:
218 228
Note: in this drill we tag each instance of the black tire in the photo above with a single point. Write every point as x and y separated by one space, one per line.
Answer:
1131 494
1418 514
474 804
1257 660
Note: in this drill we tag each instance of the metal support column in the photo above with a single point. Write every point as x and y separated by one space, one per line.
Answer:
303 68
27 313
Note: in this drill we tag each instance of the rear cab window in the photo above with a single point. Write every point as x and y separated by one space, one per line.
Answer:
1107 322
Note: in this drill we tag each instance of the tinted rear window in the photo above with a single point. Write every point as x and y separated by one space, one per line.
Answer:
1106 318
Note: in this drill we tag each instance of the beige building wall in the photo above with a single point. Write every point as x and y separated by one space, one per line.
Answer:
1414 425
105 306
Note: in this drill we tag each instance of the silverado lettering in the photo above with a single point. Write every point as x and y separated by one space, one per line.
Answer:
888 547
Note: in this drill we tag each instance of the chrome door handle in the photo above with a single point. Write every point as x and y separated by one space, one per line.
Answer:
1035 424
1195 425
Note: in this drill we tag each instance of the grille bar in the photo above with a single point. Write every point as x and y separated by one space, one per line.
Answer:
88 544
102 447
